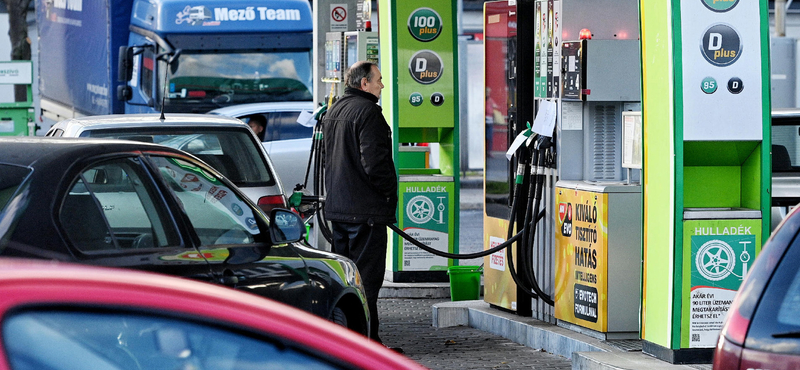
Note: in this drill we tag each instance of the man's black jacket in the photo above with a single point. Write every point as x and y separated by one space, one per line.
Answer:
360 176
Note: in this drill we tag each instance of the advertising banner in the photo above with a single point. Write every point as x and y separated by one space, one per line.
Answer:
499 288
581 258
722 70
426 73
718 254
87 27
426 214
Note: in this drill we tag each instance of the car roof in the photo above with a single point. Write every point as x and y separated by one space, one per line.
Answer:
786 116
24 282
140 120
252 108
18 150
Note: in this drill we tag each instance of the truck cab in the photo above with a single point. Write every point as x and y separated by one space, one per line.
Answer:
185 56
196 58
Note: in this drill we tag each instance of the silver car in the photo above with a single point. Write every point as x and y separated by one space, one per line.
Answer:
287 142
785 162
225 143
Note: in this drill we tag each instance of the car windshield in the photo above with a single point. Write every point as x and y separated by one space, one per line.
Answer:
202 82
62 339
232 152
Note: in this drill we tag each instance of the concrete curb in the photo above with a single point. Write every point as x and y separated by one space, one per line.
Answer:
585 352
524 330
417 290
624 361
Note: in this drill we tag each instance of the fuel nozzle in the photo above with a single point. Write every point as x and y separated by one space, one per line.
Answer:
543 142
302 201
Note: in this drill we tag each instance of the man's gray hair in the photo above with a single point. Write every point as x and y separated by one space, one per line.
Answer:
356 72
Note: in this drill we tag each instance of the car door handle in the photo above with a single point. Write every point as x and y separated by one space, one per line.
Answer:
229 280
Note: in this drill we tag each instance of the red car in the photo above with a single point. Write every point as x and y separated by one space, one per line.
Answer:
762 329
58 316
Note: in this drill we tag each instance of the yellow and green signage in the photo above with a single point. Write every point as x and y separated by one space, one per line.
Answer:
426 210
706 126
581 258
717 255
419 58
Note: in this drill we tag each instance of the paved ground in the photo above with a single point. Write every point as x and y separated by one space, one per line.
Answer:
407 323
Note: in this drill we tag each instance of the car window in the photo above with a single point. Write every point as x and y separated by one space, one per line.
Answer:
785 148
11 178
112 205
148 65
218 215
775 326
55 133
101 340
233 152
284 126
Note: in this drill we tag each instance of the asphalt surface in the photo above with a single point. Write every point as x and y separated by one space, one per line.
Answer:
407 323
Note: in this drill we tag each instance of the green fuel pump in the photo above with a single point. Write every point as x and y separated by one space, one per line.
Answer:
16 118
420 102
706 117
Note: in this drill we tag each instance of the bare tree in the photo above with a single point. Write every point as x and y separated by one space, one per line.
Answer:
18 32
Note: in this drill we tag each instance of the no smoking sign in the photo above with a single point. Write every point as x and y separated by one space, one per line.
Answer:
338 17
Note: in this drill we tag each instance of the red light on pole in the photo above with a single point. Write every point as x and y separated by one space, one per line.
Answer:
585 34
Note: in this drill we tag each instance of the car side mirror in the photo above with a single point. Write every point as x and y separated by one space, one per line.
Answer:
285 226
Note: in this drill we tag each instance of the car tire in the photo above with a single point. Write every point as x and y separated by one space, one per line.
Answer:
338 317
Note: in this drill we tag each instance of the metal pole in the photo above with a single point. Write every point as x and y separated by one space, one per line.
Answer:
780 18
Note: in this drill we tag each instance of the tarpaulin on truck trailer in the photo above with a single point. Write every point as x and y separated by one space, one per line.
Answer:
78 47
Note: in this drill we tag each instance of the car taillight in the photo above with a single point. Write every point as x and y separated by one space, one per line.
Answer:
272 201
731 339
727 356
736 326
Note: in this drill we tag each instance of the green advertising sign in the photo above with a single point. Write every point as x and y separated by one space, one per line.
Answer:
717 254
426 213
720 5
426 64
425 24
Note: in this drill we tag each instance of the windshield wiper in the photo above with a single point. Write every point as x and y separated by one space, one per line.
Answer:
788 334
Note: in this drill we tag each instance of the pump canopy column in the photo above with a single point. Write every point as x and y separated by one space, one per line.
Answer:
706 133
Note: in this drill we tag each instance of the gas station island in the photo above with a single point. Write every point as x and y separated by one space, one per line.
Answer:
633 144
626 158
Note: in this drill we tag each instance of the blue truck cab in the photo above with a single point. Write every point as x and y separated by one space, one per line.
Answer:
191 56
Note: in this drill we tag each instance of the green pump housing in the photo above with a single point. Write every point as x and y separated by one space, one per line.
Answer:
420 70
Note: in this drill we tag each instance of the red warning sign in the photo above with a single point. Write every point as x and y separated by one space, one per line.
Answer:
338 17
339 14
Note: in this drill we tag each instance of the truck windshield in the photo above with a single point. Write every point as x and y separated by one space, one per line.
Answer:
199 82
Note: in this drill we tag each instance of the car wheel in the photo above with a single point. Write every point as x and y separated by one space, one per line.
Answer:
338 317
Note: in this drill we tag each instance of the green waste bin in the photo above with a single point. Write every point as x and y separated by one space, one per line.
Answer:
465 282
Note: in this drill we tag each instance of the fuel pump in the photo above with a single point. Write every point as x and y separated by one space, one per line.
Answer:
342 49
598 242
588 85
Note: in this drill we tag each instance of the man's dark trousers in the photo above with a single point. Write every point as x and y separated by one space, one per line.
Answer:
366 246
